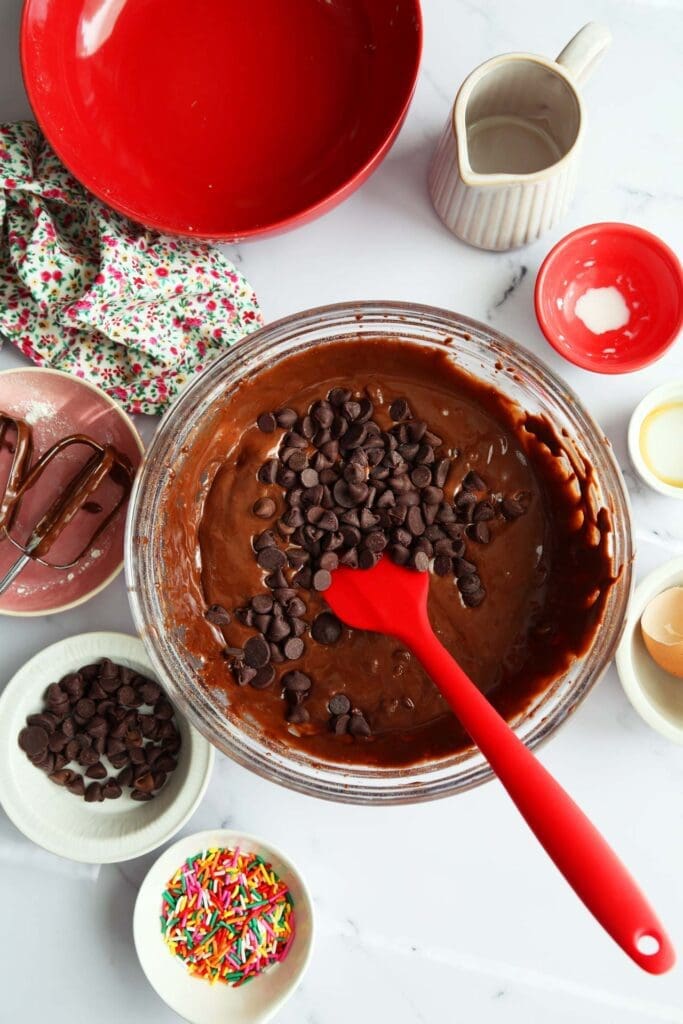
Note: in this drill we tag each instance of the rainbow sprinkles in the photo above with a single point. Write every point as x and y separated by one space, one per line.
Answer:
227 915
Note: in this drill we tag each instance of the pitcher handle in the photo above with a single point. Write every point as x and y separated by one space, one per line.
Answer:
584 50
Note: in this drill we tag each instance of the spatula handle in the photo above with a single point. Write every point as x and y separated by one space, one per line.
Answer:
587 862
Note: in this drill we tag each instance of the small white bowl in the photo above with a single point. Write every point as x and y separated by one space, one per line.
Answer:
656 695
670 392
192 998
96 833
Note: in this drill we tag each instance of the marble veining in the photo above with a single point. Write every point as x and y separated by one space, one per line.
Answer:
447 911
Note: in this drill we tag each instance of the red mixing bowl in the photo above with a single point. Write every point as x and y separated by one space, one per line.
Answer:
221 119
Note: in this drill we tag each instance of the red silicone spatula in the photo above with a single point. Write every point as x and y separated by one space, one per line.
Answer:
393 600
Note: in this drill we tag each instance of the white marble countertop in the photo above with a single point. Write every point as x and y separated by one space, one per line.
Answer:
489 931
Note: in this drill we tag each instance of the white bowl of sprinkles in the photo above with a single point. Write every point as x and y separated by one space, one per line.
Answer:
223 928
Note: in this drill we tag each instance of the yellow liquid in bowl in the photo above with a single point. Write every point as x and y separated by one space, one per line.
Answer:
661 443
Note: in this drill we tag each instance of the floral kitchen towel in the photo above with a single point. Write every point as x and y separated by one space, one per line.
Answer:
84 289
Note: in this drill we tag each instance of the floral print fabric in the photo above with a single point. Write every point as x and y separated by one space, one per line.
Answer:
84 289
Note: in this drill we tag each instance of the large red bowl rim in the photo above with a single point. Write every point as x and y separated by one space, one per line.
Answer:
303 215
624 365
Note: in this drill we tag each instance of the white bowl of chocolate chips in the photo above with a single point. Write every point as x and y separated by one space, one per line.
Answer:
95 763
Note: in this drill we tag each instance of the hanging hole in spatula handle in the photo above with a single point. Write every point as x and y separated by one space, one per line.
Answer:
653 951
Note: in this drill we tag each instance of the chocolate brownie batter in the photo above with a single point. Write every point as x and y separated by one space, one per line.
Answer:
545 574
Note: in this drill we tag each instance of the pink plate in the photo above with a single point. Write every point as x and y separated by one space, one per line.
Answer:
221 119
57 405
644 271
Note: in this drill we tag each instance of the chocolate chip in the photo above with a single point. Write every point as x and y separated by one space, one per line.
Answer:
125 777
399 554
326 628
45 720
96 771
262 604
76 785
367 559
97 727
84 708
126 695
340 724
55 694
93 793
479 532
150 691
473 482
72 750
296 606
400 410
286 418
321 580
474 599
443 565
33 740
323 413
264 508
296 682
421 476
462 567
263 678
337 396
165 763
358 725
309 477
267 474
61 777
512 508
141 795
420 561
271 559
339 704
111 790
483 512
256 652
293 648
468 584
441 472
415 521
278 630
266 422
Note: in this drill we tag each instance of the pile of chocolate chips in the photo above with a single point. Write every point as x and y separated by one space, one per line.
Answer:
353 492
95 714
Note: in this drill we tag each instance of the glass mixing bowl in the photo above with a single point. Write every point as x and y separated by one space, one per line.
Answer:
477 349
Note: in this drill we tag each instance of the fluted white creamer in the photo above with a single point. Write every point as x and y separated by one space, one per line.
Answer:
505 168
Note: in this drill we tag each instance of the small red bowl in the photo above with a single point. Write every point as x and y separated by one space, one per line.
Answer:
220 119
640 266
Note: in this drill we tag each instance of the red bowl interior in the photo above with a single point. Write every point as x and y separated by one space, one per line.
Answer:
640 266
220 118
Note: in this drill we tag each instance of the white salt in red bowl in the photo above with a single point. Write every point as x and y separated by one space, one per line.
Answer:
609 297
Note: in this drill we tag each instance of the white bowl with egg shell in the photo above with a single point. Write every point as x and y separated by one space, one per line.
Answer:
655 439
194 999
59 821
655 694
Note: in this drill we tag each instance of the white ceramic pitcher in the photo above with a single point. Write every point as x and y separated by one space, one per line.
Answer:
505 169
